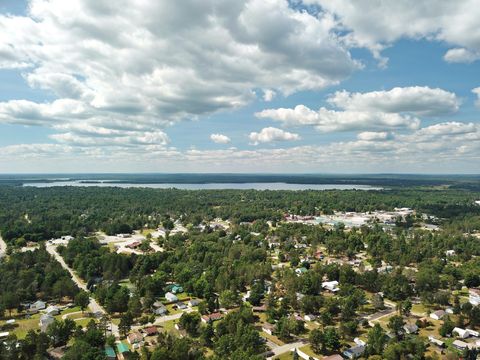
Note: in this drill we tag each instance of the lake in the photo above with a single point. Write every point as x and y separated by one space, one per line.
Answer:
207 186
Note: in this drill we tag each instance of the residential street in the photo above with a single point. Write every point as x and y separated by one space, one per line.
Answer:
93 305
278 350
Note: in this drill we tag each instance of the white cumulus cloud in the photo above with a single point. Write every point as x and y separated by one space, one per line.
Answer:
136 65
377 24
418 100
374 136
326 120
220 138
271 134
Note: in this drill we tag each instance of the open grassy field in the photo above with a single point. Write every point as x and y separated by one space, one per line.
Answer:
23 325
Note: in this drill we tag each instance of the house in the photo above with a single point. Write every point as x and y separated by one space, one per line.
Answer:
52 310
410 328
330 286
300 271
461 333
212 317
436 341
460 345
437 315
171 297
38 305
45 320
67 238
181 305
268 328
474 296
124 236
160 310
319 255
193 302
354 352
359 341
133 245
110 353
473 333
157 304
4 335
450 252
176 289
310 317
150 331
134 338
449 310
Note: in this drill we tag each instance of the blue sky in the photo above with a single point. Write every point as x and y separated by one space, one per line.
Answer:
349 95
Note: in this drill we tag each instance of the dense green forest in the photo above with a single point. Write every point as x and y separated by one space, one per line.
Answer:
36 214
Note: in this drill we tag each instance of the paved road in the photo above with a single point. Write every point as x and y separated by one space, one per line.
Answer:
278 350
380 314
93 305
161 320
3 247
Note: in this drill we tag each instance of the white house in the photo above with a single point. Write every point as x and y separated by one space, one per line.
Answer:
436 341
460 345
410 328
52 310
310 317
450 252
171 297
437 315
473 333
331 285
462 333
359 341
354 352
38 305
474 296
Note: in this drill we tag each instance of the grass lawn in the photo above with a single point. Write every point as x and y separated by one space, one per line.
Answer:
383 321
419 309
145 232
308 350
272 338
183 296
83 322
71 310
285 356
432 328
169 326
22 326
171 310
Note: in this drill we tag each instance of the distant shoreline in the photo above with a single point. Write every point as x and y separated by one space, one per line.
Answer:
205 186
372 180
